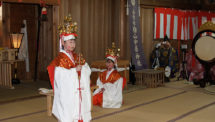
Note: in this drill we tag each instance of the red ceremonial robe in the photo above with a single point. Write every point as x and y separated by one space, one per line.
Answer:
113 77
62 60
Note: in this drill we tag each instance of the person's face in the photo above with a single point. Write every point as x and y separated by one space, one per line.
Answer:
69 45
166 44
109 64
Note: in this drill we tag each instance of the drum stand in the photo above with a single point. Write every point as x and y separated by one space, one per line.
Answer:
183 71
206 64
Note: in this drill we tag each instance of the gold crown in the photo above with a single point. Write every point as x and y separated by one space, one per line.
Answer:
207 26
113 51
68 26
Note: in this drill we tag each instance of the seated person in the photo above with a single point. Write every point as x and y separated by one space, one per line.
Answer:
195 69
164 56
109 93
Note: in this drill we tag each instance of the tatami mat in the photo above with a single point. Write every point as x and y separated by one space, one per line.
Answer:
204 115
24 90
175 102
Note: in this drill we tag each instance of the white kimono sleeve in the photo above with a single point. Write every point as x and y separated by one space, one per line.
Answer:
112 95
66 94
100 85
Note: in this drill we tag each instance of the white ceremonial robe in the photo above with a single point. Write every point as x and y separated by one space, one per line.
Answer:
66 94
112 95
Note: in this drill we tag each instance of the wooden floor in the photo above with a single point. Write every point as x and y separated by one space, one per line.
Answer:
177 101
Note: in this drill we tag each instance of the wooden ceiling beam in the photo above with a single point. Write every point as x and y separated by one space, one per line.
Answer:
49 2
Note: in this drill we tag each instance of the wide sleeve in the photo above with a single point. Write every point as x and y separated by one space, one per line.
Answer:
86 69
100 86
51 70
65 85
86 92
112 95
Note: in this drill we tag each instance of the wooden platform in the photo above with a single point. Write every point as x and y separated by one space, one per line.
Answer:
150 78
49 99
6 73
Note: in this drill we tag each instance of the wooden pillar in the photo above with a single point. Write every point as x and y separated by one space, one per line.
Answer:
6 25
1 24
122 28
55 31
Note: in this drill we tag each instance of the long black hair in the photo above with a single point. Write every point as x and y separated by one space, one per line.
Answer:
107 59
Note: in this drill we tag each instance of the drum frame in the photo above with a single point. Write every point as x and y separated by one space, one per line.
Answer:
206 64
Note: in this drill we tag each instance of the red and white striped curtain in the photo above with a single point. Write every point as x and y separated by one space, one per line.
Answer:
179 24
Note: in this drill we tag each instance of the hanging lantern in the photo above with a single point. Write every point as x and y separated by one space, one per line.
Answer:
43 11
44 14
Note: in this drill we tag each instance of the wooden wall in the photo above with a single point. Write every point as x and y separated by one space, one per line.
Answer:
49 2
147 20
14 14
5 42
98 22
45 54
1 25
104 21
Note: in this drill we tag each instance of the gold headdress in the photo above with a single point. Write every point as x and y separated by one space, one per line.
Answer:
112 53
68 28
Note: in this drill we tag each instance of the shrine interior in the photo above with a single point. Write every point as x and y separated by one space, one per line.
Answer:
162 50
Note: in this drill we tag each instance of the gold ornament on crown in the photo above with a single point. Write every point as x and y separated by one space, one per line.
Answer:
68 26
80 60
207 26
113 51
